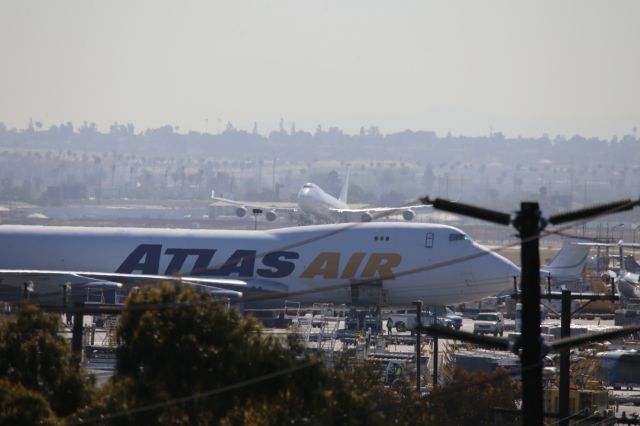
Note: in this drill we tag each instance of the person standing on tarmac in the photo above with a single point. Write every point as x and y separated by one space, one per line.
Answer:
389 325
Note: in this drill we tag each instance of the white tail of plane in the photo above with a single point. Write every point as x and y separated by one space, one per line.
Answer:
345 188
568 263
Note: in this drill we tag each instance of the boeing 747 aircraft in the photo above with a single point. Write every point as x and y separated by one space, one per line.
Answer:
399 262
316 203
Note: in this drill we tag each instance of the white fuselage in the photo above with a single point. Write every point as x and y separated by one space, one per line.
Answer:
314 201
437 264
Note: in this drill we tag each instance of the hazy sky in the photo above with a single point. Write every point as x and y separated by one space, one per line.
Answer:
556 67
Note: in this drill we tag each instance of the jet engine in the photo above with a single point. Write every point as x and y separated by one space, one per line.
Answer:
241 212
366 217
271 215
408 215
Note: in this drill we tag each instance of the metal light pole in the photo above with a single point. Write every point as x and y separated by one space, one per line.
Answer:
256 212
621 251
620 225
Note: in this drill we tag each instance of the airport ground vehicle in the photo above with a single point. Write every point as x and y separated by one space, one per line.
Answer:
489 323
456 320
406 320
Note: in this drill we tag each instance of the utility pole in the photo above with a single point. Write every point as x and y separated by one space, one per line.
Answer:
76 336
418 305
565 331
435 354
66 288
528 224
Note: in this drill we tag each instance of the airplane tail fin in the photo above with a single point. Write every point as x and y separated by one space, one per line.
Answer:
568 263
345 188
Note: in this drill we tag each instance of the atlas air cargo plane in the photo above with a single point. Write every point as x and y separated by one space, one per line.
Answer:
437 264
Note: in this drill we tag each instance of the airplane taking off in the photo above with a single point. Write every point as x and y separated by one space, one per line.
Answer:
315 202
349 264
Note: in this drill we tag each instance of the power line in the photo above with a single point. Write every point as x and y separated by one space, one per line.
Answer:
194 396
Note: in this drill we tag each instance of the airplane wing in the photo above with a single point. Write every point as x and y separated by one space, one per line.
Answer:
232 202
220 287
47 286
371 213
270 212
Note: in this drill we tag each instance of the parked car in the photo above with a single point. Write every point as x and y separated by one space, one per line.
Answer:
489 323
456 320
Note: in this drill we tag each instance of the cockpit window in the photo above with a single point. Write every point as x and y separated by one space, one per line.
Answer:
458 237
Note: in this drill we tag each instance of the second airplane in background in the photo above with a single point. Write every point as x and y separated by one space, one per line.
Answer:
313 202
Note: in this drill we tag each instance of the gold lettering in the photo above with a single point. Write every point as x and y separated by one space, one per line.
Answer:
352 265
325 264
382 264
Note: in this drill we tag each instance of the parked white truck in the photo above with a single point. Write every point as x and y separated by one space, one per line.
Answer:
406 320
489 323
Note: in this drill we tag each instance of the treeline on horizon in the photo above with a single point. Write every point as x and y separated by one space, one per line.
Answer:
298 145
63 163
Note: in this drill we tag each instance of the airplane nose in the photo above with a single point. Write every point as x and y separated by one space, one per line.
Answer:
303 198
509 269
495 272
